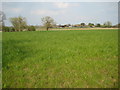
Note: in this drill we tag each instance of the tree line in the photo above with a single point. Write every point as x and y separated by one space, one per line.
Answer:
20 24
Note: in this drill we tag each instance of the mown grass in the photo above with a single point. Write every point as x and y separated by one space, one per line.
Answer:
62 59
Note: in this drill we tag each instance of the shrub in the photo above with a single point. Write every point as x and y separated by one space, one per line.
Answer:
31 28
5 29
8 29
12 29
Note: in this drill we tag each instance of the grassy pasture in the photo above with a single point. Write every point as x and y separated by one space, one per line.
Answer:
62 59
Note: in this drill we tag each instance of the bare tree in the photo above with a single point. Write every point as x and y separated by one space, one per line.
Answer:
108 24
48 22
2 18
19 23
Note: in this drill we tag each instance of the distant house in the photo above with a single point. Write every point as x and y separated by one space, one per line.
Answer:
62 26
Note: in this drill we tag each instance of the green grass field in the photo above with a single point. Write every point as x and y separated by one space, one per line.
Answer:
60 59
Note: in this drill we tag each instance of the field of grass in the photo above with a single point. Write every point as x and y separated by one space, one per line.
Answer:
60 59
0 60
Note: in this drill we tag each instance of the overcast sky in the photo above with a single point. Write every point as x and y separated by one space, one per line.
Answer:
63 13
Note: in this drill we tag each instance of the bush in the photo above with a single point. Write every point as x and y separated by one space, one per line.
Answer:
5 29
98 25
31 28
12 29
8 29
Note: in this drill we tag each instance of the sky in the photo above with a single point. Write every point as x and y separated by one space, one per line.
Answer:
62 12
60 0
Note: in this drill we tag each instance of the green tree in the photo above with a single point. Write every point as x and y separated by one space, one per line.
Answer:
98 25
82 24
19 23
90 24
48 22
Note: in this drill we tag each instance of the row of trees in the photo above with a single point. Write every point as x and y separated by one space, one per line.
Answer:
20 24
12 29
106 24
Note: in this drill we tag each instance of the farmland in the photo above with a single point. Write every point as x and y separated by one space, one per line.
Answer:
60 59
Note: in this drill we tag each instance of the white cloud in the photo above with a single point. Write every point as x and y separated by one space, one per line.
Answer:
60 0
65 5
16 10
13 10
62 5
47 12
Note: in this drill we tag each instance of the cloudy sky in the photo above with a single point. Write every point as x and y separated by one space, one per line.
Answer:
62 12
